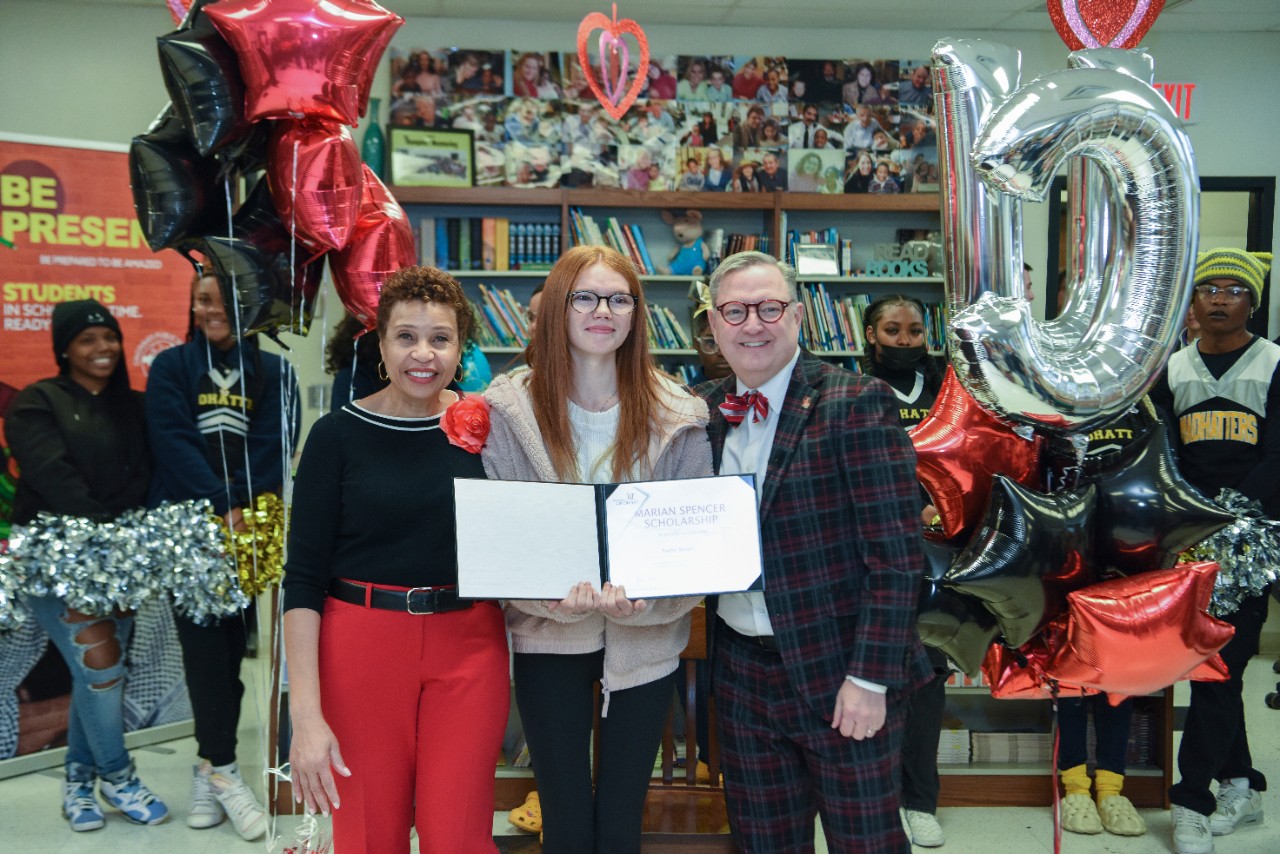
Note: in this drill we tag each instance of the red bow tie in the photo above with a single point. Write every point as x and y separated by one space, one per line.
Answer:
735 407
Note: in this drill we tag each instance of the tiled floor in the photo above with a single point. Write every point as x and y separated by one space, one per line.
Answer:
30 822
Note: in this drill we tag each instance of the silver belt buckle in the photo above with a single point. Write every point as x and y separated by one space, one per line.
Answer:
408 600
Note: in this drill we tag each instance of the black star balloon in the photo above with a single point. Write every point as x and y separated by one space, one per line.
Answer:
1031 549
203 78
957 625
1148 513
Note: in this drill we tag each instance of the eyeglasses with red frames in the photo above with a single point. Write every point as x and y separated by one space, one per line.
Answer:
768 310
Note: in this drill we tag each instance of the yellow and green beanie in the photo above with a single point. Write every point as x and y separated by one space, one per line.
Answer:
1247 268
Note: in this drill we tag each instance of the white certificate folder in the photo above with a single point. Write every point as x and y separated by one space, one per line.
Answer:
526 540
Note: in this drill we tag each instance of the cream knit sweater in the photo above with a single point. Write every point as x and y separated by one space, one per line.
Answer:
637 649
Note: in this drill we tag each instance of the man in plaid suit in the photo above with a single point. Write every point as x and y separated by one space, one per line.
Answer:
808 676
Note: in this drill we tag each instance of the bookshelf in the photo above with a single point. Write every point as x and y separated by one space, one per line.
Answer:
867 219
999 752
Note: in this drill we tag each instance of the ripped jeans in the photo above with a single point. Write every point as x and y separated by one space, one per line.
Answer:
93 648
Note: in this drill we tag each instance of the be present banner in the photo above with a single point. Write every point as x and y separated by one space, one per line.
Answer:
68 231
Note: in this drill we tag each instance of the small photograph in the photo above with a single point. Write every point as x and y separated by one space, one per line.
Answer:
704 123
532 165
757 125
859 169
816 126
884 181
419 111
915 84
535 75
860 132
752 80
717 167
478 114
586 168
691 178
816 171
586 127
532 121
653 123
491 164
917 152
573 80
419 72
431 158
694 74
873 81
719 80
661 85
817 80
476 71
643 168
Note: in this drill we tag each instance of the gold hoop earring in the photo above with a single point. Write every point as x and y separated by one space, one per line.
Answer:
382 372
457 375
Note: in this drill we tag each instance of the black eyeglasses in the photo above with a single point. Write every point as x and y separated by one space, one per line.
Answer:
586 301
1234 293
768 310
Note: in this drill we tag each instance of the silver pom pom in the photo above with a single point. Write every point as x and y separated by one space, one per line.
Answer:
12 581
1247 552
190 555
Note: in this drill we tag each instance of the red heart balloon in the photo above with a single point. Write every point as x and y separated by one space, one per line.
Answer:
315 175
609 84
381 245
1103 23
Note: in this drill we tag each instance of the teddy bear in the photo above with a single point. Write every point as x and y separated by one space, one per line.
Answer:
691 254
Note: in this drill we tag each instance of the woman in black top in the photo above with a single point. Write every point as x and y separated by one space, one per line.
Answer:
394 682
897 354
80 441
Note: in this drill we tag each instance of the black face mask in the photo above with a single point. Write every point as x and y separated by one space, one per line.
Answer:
901 358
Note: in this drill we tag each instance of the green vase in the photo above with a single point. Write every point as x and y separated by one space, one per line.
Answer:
374 147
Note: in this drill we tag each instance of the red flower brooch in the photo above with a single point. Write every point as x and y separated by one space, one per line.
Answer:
466 423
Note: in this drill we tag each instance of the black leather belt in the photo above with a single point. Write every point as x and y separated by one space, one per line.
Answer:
416 600
766 642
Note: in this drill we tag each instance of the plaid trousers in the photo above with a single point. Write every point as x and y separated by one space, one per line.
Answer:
783 764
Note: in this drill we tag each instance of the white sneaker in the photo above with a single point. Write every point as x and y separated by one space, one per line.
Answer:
1237 807
924 830
205 810
80 806
1191 832
247 815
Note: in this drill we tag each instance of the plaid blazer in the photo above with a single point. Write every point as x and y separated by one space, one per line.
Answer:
839 515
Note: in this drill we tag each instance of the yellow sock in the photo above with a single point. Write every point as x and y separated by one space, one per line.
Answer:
1075 780
1108 783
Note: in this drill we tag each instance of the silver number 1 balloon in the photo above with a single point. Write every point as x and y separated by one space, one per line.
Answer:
1134 254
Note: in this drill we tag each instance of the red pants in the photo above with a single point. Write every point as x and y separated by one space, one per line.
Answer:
418 705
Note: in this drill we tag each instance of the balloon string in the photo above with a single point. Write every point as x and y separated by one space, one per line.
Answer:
1053 773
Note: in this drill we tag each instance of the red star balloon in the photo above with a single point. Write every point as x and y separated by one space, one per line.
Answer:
316 180
303 58
1140 634
1019 674
959 447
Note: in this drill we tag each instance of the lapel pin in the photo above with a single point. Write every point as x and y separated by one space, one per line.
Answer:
804 404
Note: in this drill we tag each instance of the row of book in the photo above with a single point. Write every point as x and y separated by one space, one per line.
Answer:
487 243
625 238
503 321
835 325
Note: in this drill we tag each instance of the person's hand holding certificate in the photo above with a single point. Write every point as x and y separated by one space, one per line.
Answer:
655 538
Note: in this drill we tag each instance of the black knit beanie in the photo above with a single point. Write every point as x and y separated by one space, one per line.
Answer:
72 318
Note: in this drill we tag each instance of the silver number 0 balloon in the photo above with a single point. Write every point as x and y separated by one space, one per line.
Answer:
1135 200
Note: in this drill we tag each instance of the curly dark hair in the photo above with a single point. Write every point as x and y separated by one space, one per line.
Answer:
342 347
425 284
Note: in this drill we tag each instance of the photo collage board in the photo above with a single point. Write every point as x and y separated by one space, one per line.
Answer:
700 123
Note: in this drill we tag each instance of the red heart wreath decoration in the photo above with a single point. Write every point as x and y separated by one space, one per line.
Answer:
1103 23
609 84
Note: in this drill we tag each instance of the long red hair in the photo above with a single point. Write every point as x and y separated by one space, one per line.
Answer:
551 364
